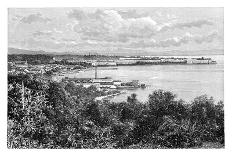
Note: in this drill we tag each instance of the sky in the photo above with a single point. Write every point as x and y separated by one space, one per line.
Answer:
113 29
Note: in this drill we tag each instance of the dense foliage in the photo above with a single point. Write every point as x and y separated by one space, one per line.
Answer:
66 62
31 59
46 114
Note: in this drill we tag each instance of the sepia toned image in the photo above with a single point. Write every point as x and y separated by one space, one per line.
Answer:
115 78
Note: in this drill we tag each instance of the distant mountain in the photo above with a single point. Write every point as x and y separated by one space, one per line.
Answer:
193 53
34 52
123 52
141 52
23 51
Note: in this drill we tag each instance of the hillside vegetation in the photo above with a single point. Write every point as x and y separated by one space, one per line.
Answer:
46 114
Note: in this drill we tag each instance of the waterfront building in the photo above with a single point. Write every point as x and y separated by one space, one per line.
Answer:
103 81
104 63
200 61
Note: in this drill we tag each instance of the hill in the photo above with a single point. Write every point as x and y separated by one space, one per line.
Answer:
24 51
121 52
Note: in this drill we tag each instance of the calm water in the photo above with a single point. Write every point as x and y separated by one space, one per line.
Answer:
187 81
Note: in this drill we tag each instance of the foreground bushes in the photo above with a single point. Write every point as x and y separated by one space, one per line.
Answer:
43 114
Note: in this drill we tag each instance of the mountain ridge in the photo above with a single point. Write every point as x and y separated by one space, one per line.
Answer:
121 52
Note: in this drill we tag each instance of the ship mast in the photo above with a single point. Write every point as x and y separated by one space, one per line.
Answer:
95 72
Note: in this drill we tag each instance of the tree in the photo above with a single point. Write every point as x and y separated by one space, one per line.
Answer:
159 101
132 99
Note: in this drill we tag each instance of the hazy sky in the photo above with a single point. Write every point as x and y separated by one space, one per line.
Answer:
150 29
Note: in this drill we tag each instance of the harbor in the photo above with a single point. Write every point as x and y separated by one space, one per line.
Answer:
176 78
106 84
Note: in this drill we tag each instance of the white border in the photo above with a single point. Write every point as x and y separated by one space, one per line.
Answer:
115 3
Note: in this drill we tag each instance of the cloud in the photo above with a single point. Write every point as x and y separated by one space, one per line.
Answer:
80 15
208 38
144 27
108 25
123 26
196 23
57 31
68 39
131 14
51 44
47 33
35 18
77 14
176 41
70 26
42 33
16 17
48 44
